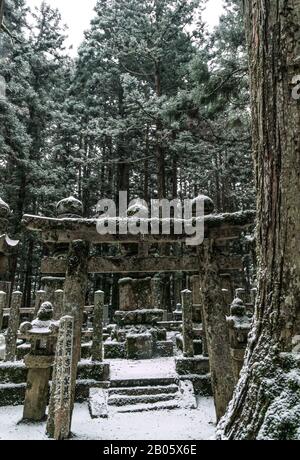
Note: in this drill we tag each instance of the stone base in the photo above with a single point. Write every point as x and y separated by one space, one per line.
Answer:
164 349
198 365
114 350
139 346
198 348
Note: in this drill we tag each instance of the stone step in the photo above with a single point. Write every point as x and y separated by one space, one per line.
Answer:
145 390
123 400
143 382
161 405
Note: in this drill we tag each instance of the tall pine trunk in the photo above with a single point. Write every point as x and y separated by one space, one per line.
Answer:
266 404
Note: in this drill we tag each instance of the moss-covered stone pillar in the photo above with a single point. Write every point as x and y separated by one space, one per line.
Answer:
61 400
58 304
156 291
126 302
195 285
75 288
97 344
13 326
187 323
214 319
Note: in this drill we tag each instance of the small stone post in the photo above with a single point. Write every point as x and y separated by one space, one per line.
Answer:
239 327
126 294
3 299
58 304
61 400
40 297
195 282
13 326
97 345
187 326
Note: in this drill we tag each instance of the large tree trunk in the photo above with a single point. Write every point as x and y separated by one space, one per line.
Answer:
266 404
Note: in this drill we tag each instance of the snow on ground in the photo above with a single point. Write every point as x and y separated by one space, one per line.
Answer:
172 425
148 368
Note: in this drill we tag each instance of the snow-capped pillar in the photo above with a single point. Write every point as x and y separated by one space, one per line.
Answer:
3 299
13 326
187 327
97 345
58 304
61 400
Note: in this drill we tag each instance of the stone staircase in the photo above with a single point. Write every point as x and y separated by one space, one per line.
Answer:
139 395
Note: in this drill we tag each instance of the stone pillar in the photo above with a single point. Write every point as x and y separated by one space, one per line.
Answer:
214 320
239 327
156 291
187 326
105 315
38 376
195 284
61 400
126 294
13 326
97 345
135 294
3 300
58 304
40 297
178 285
74 297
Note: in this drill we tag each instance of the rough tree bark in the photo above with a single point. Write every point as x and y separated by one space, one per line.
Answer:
266 404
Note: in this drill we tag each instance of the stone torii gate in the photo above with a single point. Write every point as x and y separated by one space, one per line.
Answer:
70 235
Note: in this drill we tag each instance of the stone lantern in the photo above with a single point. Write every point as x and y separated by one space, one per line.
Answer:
69 208
239 325
42 334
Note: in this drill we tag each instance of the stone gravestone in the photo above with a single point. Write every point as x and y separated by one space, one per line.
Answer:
60 407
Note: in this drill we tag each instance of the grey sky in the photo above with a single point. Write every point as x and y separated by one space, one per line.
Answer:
77 15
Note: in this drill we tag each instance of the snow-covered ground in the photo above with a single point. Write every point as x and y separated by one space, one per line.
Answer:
178 424
138 369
